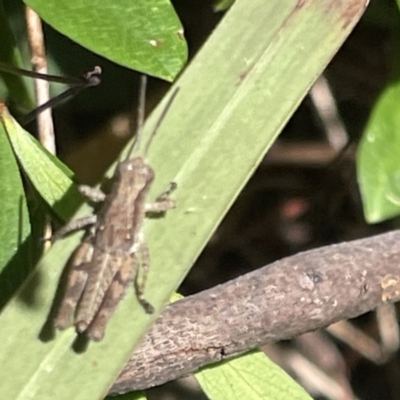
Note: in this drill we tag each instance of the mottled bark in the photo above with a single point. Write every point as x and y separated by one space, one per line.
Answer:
292 296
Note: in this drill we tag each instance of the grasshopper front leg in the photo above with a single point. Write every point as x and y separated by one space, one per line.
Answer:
163 202
92 194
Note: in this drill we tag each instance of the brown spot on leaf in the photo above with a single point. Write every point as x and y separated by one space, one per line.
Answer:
352 11
300 3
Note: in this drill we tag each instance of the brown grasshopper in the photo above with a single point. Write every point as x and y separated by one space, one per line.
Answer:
108 259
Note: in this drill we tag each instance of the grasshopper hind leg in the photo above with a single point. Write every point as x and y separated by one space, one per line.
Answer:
141 284
77 279
112 297
116 291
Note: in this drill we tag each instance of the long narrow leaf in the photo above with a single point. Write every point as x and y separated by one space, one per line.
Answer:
14 220
49 176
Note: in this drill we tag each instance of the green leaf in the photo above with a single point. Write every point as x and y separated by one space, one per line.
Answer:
222 5
128 396
9 54
51 178
234 99
142 35
251 376
14 219
378 166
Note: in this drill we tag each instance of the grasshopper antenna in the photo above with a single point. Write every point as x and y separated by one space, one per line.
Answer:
162 116
141 111
141 115
89 79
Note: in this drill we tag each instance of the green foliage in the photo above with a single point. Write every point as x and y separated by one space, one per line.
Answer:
253 376
14 219
128 396
378 167
134 34
234 100
50 177
9 54
222 5
378 158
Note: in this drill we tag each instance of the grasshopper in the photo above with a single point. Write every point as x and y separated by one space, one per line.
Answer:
114 247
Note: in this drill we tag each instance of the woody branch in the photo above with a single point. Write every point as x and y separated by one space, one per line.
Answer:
292 296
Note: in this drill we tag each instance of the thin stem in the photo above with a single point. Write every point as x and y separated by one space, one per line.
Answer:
42 88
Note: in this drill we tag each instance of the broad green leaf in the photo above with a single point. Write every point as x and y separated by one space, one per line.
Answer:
136 34
252 376
14 220
378 162
234 100
51 178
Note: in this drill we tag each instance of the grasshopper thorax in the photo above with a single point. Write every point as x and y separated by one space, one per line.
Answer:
135 167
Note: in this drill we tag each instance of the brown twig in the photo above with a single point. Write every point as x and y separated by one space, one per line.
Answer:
325 105
42 88
292 296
